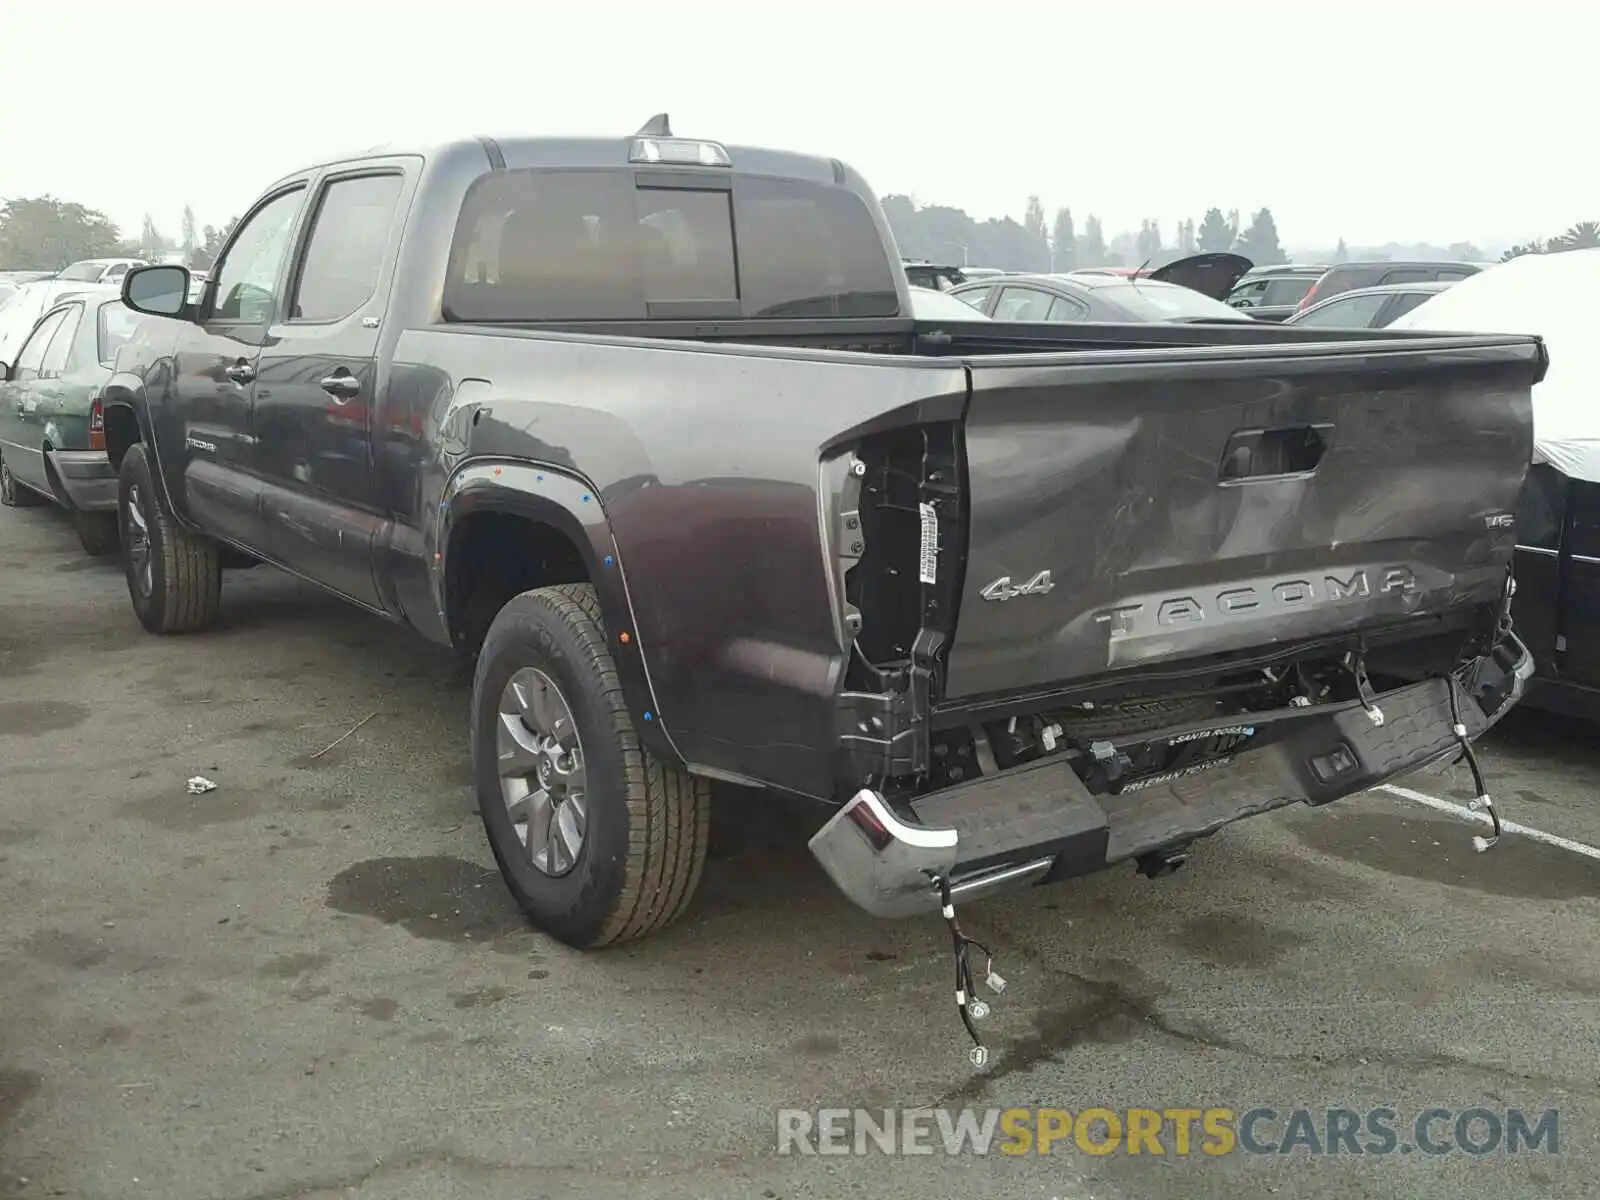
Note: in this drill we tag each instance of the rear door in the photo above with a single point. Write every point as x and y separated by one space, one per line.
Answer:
1541 514
53 389
208 439
1019 303
317 381
1187 504
1580 592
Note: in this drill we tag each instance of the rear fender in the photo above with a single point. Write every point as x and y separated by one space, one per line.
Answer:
567 503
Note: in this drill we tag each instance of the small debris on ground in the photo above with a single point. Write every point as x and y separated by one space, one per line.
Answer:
200 785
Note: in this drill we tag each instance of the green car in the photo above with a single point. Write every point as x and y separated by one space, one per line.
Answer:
52 436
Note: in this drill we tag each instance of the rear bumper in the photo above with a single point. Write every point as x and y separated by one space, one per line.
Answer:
1038 823
87 478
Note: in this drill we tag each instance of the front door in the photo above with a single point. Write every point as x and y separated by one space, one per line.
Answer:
21 427
317 383
214 371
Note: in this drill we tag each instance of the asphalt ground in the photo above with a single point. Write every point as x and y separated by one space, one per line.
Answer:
310 983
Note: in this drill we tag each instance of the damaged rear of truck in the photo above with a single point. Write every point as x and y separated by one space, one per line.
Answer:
645 429
1120 599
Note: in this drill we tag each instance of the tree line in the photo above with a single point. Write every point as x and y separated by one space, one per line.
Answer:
1585 235
43 233
950 235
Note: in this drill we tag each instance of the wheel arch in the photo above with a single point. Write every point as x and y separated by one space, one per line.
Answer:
127 424
506 527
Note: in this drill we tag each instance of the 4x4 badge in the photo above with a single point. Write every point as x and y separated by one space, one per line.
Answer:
1004 589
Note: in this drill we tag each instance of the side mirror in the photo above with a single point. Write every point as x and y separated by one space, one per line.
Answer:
159 291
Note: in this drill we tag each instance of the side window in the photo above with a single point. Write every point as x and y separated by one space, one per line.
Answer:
1253 293
1541 508
32 352
1454 274
1022 304
116 271
977 297
1404 303
1288 289
1062 309
54 362
1348 312
247 279
1408 275
345 253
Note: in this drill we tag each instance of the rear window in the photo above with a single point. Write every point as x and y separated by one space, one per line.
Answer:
1153 301
616 245
117 323
83 272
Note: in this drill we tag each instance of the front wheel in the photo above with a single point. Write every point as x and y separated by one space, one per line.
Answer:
598 841
174 578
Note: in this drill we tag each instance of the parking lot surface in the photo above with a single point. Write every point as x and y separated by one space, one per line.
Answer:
310 982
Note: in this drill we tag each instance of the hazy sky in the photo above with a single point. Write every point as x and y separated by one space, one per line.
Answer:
1403 120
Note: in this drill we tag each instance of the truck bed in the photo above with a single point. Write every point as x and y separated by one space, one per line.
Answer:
1093 453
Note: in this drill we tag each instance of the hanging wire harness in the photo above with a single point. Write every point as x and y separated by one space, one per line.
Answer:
968 1004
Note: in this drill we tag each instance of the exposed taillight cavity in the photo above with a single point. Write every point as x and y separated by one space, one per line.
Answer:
97 425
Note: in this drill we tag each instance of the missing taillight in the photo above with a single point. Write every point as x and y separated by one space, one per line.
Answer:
97 425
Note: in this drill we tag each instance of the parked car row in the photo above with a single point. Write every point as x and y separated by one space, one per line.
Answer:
52 418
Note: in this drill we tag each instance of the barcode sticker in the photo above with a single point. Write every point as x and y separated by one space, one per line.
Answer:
928 570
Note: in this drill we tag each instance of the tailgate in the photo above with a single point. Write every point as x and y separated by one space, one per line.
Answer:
1142 508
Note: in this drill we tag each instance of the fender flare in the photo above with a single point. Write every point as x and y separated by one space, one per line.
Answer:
127 391
571 505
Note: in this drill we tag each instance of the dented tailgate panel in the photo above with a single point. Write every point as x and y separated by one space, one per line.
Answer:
1140 510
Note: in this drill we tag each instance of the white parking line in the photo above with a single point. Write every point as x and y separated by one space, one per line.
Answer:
1461 810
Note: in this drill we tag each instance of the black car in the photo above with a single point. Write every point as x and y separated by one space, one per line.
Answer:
1119 299
1274 293
1347 277
1369 308
1557 606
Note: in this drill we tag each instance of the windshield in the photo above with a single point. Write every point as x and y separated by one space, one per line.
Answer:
929 305
1152 301
117 323
86 271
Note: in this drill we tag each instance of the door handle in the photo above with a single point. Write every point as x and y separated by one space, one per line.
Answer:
240 372
341 387
1270 453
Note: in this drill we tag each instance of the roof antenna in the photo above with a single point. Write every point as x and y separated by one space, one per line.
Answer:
656 126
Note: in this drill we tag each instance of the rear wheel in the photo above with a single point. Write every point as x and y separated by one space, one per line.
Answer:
598 841
14 494
174 577
98 532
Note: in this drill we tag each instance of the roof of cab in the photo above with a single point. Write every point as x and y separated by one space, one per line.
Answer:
524 151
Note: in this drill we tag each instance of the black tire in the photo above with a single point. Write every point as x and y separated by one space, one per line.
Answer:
647 822
185 577
14 494
98 532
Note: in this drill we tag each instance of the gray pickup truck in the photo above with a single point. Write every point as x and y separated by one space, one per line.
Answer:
643 428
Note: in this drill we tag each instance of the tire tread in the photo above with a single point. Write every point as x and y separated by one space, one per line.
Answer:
669 811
